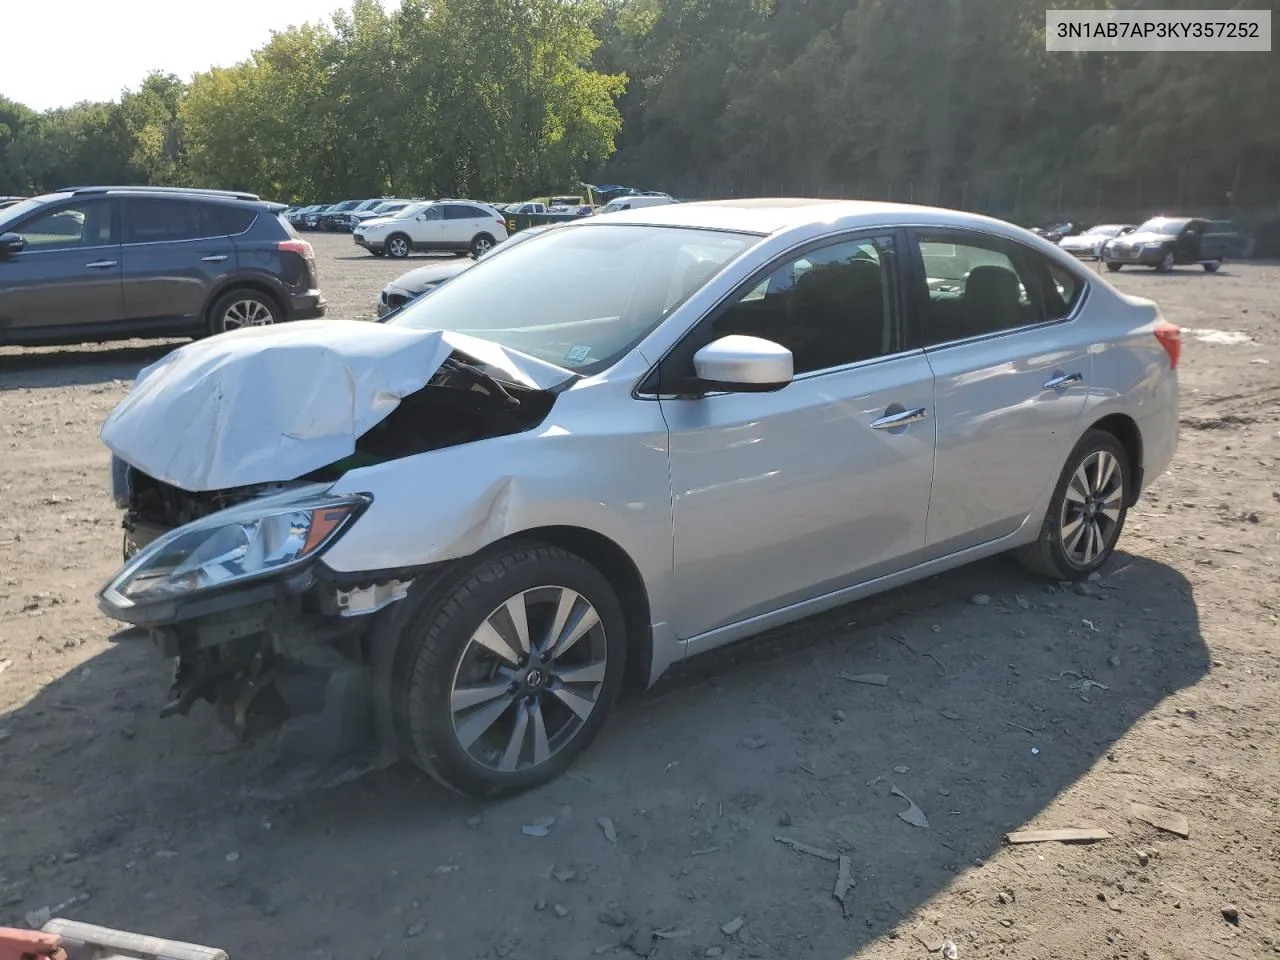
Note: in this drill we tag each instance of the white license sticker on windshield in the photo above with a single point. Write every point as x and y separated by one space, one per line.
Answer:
578 354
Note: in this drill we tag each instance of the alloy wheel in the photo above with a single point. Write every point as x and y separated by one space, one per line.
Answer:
1091 507
529 678
398 247
247 313
481 245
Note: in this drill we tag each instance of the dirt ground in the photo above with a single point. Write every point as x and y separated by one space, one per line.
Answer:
112 815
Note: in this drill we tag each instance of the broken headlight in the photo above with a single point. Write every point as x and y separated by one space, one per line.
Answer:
247 542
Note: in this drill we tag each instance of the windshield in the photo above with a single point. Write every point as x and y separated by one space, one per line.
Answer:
387 207
20 209
578 297
1169 228
411 211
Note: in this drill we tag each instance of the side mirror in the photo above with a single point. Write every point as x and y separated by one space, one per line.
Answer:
742 364
11 243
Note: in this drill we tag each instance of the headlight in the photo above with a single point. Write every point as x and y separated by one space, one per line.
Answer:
243 543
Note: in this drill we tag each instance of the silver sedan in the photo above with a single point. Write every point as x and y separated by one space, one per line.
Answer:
623 442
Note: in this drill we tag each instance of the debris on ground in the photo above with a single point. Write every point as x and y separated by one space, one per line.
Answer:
901 769
1231 915
1174 823
949 950
980 599
1143 857
844 880
473 823
703 852
711 952
753 743
606 825
564 876
233 857
539 828
539 905
837 715
733 926
672 933
871 679
799 847
415 928
560 910
913 814
1067 835
613 916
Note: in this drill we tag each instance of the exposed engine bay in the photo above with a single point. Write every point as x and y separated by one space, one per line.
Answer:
280 651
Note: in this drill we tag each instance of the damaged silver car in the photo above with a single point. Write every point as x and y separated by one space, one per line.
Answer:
630 439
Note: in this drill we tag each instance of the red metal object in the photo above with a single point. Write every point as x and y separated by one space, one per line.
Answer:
30 945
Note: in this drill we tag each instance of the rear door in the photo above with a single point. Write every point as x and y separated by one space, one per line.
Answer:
176 250
68 274
1011 368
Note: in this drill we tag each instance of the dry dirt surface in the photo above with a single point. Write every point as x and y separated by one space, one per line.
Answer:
112 815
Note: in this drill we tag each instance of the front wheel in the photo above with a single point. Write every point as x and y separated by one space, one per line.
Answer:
1114 267
506 673
1166 262
1086 512
398 246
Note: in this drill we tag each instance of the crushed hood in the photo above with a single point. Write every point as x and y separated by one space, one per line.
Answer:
268 404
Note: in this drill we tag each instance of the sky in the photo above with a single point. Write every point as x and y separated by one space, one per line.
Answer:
56 54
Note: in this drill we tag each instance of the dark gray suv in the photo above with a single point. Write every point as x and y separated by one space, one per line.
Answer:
109 263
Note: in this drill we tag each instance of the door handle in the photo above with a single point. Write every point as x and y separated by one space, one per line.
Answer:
102 264
899 419
215 259
1065 380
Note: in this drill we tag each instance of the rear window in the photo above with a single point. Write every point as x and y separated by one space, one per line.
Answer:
1062 291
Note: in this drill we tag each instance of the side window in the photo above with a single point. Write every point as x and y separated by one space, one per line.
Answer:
235 220
454 211
433 213
475 213
1062 290
78 225
157 221
832 306
976 285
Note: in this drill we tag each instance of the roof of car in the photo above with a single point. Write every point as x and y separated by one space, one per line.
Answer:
775 214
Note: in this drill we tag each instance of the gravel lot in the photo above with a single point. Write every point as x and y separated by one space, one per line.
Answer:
148 825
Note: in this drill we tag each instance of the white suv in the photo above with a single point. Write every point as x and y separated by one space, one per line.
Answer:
453 226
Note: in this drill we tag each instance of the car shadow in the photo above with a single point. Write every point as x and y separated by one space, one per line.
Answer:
981 719
77 366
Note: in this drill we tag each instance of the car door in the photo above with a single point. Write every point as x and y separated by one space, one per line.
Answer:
68 272
783 497
1186 248
176 252
1011 368
429 229
459 222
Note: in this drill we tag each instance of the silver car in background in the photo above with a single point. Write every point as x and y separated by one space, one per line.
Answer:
1088 244
624 442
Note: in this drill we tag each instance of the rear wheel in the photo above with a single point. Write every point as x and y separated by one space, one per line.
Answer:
1211 266
398 246
481 244
1114 267
1086 513
242 308
506 673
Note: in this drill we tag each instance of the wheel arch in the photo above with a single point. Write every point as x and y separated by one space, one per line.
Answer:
1125 429
243 283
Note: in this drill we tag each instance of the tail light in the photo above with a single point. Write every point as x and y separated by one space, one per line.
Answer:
501 223
301 247
1170 338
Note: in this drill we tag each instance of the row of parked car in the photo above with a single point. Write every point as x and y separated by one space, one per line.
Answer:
1161 242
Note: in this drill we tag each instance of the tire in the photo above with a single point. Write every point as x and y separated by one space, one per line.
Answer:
480 752
1166 263
1067 555
242 307
481 244
398 246
1211 266
1114 267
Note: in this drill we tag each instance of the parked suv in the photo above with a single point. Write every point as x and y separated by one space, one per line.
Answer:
455 226
1164 242
108 263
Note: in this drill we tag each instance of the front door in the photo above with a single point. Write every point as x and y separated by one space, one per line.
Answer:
430 230
176 251
68 273
782 497
1012 374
